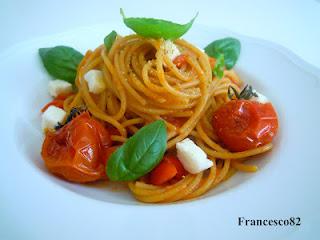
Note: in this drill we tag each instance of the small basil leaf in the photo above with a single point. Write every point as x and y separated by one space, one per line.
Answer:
229 47
157 28
61 62
109 40
219 66
140 154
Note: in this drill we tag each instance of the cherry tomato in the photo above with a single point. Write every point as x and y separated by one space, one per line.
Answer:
170 168
176 162
242 124
58 102
162 173
76 151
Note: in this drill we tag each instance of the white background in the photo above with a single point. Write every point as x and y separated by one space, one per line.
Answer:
293 24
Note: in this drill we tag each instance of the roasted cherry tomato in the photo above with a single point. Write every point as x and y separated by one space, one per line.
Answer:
168 169
76 151
243 124
58 102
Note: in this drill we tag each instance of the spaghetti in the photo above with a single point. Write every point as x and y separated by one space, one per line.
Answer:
144 85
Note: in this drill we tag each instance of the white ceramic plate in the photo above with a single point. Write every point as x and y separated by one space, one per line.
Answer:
36 205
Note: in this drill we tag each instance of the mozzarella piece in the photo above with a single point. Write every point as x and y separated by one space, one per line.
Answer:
192 157
94 78
51 117
57 87
261 98
171 50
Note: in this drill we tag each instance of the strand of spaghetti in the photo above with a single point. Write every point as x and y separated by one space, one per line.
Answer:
224 171
81 64
119 88
77 101
190 84
161 190
140 87
117 138
230 173
237 155
173 68
187 113
162 80
192 121
102 102
243 167
207 140
233 77
207 183
132 122
175 106
118 60
146 79
167 194
143 185
67 102
188 190
150 110
92 65
97 112
207 127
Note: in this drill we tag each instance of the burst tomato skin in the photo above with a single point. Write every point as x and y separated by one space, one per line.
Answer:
243 124
76 151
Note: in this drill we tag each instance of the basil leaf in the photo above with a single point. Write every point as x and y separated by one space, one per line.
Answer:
229 47
109 40
140 154
219 66
61 62
157 28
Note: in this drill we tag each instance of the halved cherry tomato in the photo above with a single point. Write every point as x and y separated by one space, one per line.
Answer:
176 162
76 151
242 124
56 102
162 173
180 61
169 168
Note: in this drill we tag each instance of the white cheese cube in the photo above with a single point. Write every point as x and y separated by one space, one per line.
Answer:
94 78
51 117
192 157
171 50
57 87
261 98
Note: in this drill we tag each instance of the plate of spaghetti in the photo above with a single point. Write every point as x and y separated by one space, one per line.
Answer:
147 113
